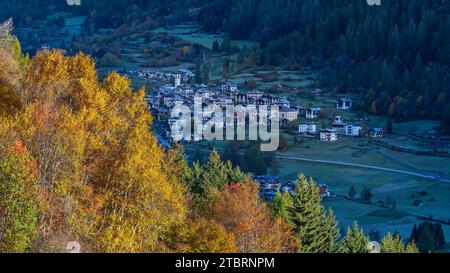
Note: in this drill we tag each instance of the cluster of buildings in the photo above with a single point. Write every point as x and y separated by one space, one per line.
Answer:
181 92
270 185
212 97
183 76
339 128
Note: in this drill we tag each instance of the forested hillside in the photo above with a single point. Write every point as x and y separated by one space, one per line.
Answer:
397 55
105 13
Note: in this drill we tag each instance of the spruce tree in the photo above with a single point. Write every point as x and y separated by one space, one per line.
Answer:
425 239
332 233
392 244
439 236
309 218
411 248
428 237
389 127
366 195
355 241
352 192
214 171
281 205
413 236
206 181
177 167
198 74
195 184
206 74
234 175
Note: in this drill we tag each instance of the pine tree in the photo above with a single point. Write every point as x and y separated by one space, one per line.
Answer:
392 244
226 71
332 233
366 195
352 192
214 171
389 127
413 236
281 205
177 168
226 45
206 74
309 218
439 236
428 237
197 175
208 180
198 73
425 240
411 248
355 241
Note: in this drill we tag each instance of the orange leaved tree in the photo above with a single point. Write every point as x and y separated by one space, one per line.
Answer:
240 210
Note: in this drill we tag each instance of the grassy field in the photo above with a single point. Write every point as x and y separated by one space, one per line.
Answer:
400 187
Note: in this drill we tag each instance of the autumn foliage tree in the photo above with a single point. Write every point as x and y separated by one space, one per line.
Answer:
101 178
201 235
241 212
10 71
10 101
